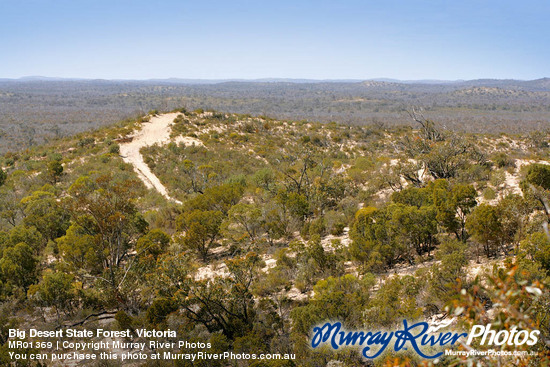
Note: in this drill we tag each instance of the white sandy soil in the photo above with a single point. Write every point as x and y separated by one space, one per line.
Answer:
156 131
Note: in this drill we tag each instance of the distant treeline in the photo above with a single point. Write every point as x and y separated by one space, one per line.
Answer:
36 111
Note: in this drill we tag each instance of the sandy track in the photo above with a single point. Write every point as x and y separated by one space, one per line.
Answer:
156 131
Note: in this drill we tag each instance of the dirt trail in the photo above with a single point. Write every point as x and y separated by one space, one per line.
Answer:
156 131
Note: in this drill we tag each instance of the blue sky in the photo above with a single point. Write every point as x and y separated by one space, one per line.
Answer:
402 39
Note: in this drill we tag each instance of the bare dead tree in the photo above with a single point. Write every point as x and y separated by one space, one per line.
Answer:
428 128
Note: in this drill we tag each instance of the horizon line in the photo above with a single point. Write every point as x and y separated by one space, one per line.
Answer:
263 79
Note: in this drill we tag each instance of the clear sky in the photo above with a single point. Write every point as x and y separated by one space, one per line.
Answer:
337 39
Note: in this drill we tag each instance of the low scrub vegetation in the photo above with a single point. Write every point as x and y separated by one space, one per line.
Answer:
282 225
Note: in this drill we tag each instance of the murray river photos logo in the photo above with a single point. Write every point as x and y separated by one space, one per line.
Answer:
418 336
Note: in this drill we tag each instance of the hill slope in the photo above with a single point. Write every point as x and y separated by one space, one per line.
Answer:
245 232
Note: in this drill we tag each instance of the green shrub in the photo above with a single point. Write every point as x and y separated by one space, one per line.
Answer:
160 309
114 149
489 194
502 160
